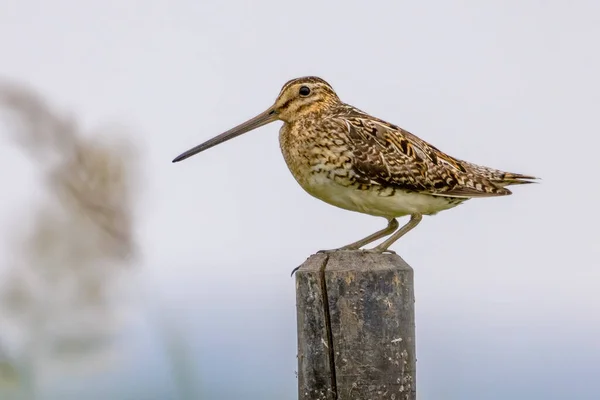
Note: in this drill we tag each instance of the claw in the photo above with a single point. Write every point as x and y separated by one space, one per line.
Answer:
334 250
375 250
294 270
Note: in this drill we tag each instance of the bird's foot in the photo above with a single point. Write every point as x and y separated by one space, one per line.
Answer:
294 270
375 250
345 248
336 250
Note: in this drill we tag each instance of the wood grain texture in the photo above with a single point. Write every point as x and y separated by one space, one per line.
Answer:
356 327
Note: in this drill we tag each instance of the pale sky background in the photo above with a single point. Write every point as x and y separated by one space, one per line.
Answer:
507 296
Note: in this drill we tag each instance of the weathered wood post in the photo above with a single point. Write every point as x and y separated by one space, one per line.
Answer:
356 327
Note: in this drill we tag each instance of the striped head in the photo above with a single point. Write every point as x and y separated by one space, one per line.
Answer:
297 99
302 96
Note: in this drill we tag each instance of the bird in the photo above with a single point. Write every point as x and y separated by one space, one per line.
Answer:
358 162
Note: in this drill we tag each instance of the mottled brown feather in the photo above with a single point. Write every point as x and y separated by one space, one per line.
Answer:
391 156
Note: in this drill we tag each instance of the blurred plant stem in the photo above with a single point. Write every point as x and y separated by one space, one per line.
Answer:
182 367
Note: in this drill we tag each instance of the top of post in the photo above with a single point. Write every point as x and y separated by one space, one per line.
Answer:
356 260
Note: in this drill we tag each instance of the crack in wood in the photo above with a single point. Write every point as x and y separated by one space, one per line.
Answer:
328 328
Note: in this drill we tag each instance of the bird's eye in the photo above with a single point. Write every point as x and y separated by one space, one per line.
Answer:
304 91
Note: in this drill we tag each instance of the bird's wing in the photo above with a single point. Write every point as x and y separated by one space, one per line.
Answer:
387 155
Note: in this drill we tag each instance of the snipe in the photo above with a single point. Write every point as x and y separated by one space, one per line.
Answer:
357 162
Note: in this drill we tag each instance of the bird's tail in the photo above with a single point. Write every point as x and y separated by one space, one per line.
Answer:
501 178
509 178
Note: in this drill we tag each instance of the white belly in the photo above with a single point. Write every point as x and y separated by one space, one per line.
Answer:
374 202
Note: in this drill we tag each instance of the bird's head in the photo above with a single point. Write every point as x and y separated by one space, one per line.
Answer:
297 99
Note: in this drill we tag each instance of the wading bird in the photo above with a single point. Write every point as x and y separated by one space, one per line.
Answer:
352 160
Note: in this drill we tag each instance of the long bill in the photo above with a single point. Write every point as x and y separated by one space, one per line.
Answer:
261 119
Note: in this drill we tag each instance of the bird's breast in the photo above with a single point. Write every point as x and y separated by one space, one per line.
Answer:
310 152
323 166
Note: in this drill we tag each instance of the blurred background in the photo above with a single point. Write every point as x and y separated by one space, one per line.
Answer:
123 276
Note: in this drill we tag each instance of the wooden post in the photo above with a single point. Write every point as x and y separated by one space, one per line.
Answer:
356 327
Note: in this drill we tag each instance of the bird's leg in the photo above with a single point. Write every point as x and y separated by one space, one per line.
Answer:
389 229
414 221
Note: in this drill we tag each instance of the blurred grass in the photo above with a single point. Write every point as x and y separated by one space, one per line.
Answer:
59 302
58 295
